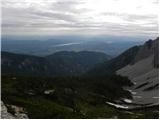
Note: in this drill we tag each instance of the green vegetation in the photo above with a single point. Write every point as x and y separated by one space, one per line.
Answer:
71 96
60 63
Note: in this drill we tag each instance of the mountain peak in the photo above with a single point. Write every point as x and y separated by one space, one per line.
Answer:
151 47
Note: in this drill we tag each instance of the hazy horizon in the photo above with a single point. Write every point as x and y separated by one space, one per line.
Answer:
80 38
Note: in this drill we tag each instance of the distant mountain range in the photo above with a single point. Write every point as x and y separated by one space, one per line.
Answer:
60 63
47 47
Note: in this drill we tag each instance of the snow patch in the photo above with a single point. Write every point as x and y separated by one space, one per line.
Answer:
132 92
127 100
49 91
117 105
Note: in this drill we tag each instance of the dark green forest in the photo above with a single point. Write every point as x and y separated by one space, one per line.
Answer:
70 96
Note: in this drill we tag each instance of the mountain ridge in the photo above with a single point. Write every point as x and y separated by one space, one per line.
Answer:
130 56
57 63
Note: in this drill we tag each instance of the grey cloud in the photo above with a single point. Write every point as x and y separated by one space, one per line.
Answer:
64 17
133 19
155 1
66 5
141 17
58 16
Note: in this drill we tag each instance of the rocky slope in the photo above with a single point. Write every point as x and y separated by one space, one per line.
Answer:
4 112
111 66
144 73
17 112
141 65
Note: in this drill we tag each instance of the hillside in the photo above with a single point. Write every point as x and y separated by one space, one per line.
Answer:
130 56
109 67
141 65
60 63
144 73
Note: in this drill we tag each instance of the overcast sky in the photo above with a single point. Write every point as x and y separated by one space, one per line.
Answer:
80 17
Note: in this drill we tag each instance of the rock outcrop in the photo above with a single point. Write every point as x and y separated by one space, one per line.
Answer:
151 47
4 112
18 112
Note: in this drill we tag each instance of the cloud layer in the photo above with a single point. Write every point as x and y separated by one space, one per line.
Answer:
80 17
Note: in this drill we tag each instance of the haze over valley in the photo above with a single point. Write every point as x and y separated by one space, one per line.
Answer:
44 46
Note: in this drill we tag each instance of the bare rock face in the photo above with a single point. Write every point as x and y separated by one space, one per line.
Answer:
151 47
144 73
4 112
145 79
156 54
17 112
